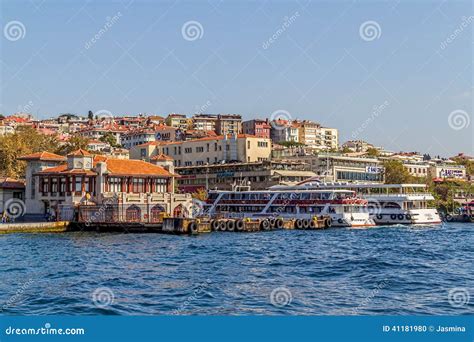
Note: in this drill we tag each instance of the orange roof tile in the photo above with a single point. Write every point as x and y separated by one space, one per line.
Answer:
118 167
161 157
135 168
62 169
11 183
80 152
163 127
45 156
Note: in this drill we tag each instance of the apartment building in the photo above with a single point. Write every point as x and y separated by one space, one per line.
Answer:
137 137
228 124
98 131
257 127
144 135
334 167
204 122
328 138
179 121
417 169
447 171
259 175
357 145
308 133
283 131
209 150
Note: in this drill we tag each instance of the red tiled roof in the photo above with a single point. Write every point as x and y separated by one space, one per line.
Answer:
80 152
11 183
44 156
161 157
164 127
135 168
16 119
119 167
62 169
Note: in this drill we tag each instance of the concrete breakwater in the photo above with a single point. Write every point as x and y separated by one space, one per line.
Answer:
35 227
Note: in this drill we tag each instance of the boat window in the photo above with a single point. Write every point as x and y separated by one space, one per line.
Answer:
305 196
213 196
392 205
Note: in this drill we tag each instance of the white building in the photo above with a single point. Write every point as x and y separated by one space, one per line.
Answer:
211 150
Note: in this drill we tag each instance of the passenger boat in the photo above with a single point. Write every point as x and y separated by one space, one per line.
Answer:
388 203
343 206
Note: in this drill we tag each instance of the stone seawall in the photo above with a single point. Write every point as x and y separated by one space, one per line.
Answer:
34 227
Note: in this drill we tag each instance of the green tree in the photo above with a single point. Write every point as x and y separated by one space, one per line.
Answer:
395 172
346 149
25 140
74 143
90 115
468 164
110 139
373 152
200 194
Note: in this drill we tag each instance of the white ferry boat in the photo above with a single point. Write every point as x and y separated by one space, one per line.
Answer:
343 206
388 203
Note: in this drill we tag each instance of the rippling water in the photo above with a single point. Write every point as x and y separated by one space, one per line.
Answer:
383 270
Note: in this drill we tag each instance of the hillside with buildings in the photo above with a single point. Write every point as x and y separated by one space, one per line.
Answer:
217 151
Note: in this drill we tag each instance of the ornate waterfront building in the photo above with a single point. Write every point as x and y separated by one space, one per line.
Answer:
136 187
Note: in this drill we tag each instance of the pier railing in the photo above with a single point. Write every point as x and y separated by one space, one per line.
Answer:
129 213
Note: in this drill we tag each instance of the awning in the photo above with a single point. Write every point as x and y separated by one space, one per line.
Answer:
295 173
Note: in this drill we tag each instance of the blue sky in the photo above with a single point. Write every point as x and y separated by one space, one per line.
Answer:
319 66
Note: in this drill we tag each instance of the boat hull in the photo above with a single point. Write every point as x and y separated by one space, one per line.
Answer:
414 216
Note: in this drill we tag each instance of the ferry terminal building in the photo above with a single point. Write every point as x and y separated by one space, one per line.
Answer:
140 190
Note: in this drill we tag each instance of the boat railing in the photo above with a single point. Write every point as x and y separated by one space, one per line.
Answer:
400 195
